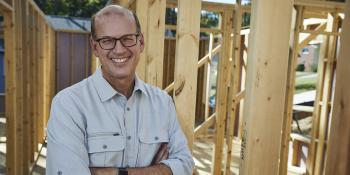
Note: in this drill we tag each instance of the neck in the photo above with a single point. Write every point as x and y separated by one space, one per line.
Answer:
124 86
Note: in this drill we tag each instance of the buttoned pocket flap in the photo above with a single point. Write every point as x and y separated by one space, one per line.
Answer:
106 143
154 137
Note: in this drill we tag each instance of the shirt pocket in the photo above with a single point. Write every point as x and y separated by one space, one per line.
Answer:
106 150
149 144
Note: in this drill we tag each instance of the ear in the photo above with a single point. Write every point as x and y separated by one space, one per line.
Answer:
142 43
94 45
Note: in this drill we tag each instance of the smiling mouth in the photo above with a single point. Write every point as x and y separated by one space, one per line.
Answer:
120 60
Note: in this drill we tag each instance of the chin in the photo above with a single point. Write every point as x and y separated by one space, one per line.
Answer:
120 75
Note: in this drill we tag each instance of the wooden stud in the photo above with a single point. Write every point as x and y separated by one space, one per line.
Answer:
142 11
46 76
265 87
223 81
326 95
11 90
338 154
295 155
207 79
315 121
288 113
244 46
32 52
40 83
25 161
186 58
235 85
155 42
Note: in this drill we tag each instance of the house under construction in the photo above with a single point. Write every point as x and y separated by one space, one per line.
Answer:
233 86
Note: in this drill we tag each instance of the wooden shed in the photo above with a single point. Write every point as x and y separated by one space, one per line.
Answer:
73 52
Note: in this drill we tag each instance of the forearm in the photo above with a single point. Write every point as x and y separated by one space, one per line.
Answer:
159 169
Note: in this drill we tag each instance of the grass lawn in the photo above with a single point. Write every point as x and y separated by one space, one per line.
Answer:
305 81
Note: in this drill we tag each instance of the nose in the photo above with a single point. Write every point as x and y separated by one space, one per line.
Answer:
119 48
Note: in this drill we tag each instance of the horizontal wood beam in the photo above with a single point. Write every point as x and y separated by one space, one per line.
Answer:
301 138
319 32
4 6
207 6
321 4
205 125
303 108
207 30
311 37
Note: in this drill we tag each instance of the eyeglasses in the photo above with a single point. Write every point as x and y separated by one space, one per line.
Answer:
108 43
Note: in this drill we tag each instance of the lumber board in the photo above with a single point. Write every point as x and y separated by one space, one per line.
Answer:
11 90
202 128
266 87
223 82
235 85
320 4
326 95
292 61
338 154
5 6
186 58
155 42
142 13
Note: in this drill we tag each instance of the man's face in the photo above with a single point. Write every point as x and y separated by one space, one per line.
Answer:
119 62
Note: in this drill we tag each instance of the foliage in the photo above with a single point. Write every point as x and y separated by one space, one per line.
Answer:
314 68
73 8
301 67
246 20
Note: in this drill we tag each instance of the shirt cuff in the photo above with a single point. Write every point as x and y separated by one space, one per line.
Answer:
178 167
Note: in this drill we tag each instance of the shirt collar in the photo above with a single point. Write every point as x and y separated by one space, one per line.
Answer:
106 91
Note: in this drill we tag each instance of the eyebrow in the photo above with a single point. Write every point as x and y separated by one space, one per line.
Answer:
106 36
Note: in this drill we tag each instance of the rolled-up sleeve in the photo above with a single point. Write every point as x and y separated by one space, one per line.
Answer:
66 151
180 159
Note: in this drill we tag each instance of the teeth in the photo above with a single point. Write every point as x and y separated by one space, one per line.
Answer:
120 60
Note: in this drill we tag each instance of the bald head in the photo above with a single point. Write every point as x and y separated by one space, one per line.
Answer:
112 10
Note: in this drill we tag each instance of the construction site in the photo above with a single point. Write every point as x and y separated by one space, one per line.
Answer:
261 91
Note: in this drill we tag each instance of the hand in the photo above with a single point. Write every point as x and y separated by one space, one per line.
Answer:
103 171
162 154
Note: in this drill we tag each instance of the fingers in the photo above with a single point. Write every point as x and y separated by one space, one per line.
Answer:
102 170
162 153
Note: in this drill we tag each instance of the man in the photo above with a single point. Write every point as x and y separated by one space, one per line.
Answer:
112 122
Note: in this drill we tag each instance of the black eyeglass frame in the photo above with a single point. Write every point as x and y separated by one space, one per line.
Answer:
116 39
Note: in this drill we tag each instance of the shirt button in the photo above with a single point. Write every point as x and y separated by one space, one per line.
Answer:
156 138
104 146
128 109
129 137
59 172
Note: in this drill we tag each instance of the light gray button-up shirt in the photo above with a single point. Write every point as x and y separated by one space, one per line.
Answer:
92 125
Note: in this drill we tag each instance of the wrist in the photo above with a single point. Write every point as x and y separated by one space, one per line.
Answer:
122 171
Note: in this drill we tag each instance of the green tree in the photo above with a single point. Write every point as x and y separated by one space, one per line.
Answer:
73 8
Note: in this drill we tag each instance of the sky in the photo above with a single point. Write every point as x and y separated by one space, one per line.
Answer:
222 1
226 1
